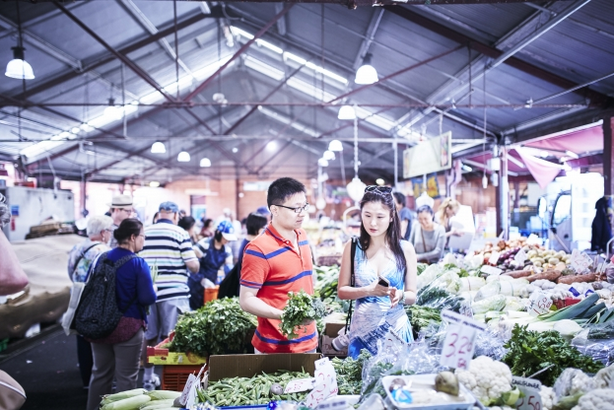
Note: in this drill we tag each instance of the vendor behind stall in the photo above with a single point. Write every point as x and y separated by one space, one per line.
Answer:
427 236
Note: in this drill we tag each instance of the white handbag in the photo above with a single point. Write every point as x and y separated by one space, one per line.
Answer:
69 315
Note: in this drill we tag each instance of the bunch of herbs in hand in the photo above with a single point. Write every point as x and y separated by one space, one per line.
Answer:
301 308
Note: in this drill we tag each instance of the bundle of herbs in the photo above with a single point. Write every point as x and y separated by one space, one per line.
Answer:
301 308
349 372
544 355
219 327
422 316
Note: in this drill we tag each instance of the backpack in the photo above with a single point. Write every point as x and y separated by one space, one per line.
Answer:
97 315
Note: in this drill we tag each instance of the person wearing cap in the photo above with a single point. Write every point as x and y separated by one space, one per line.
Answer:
168 251
216 261
275 263
121 208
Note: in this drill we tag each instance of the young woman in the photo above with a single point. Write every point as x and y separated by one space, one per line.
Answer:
448 208
384 274
428 237
117 355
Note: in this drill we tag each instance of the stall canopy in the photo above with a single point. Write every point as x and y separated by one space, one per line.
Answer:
580 141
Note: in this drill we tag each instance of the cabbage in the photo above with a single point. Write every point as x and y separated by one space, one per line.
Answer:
429 275
494 303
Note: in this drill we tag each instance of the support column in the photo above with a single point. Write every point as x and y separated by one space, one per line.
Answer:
237 192
395 146
503 196
608 152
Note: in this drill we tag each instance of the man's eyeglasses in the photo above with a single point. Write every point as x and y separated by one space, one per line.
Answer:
380 189
296 210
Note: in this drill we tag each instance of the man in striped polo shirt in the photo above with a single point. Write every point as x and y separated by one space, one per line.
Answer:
168 250
275 263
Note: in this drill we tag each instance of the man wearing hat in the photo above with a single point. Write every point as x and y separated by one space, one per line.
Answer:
168 251
121 208
215 263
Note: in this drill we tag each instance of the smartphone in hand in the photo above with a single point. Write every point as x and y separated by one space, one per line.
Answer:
383 282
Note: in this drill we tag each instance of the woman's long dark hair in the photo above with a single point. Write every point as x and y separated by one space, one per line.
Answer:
393 233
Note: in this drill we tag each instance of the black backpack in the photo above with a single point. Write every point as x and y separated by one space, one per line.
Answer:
97 315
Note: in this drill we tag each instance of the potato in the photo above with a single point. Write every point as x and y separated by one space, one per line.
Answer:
553 261
560 266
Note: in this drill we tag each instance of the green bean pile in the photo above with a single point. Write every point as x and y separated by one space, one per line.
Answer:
241 391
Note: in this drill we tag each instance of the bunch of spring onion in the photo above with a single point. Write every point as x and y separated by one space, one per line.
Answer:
142 399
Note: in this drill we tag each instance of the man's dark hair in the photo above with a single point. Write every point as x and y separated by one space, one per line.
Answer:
255 222
127 228
400 198
283 188
186 222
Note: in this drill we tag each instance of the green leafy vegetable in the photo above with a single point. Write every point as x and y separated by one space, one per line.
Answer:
219 327
531 352
422 316
301 307
349 372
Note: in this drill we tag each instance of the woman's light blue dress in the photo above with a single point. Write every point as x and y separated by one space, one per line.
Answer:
373 317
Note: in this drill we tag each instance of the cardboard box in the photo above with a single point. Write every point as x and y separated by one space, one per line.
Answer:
160 355
333 323
249 365
327 347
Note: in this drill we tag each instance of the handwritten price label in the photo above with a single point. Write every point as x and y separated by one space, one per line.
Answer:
521 256
491 270
459 344
539 303
530 388
326 383
494 258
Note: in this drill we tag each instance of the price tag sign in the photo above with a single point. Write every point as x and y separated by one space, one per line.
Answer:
188 395
491 270
494 258
530 388
539 303
520 257
580 261
300 385
326 383
459 344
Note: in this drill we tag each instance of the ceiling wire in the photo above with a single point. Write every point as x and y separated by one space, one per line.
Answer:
176 47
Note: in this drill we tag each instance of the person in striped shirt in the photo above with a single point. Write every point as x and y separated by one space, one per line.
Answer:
168 251
275 263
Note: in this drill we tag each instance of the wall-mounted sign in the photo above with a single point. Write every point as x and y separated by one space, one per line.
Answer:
428 156
432 186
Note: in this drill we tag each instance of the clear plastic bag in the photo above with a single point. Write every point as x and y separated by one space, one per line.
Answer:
573 381
490 343
389 351
599 349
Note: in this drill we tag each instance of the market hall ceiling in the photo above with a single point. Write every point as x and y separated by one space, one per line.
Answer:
256 87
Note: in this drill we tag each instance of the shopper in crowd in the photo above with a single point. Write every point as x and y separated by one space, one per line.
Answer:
155 218
189 224
117 355
216 261
121 208
207 231
80 258
275 263
168 251
230 286
384 274
12 277
404 215
601 228
448 208
427 236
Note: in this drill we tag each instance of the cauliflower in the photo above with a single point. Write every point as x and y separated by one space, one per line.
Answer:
605 378
598 399
573 381
487 379
547 395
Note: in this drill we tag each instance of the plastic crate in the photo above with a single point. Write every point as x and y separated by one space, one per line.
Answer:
210 294
160 355
175 377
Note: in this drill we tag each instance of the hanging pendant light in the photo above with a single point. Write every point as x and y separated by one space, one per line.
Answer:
158 148
366 74
205 163
346 112
323 162
18 67
329 155
356 188
184 156
335 146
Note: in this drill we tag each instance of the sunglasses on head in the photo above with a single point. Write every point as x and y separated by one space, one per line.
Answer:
380 189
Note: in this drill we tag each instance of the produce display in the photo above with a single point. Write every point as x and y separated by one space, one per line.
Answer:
260 389
301 307
140 399
218 327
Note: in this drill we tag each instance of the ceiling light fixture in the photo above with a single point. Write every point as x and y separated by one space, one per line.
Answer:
328 155
112 111
18 67
380 181
183 156
356 188
158 148
366 74
235 150
154 184
205 163
323 162
271 146
335 146
346 112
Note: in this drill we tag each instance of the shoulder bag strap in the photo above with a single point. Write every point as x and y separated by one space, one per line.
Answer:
423 241
348 319
82 255
118 265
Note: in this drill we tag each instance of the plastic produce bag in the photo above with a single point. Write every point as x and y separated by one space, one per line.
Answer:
599 349
490 343
429 275
573 381
493 303
421 359
389 351
471 283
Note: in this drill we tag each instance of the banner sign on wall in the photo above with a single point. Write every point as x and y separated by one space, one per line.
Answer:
432 186
432 155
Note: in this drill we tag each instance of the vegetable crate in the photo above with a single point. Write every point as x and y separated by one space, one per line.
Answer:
175 377
161 355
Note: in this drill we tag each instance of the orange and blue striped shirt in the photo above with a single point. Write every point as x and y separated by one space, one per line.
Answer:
273 266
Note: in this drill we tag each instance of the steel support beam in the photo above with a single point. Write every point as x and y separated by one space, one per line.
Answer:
493 52
245 46
608 154
376 18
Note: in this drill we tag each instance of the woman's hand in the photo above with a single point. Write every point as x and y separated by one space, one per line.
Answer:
396 295
375 289
456 232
